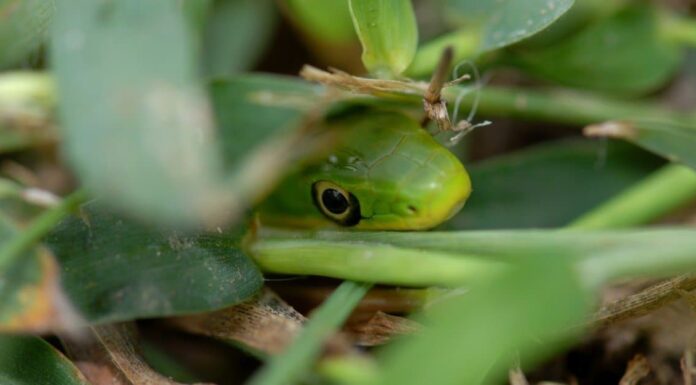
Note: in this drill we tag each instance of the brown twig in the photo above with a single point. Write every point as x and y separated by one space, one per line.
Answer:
433 104
343 80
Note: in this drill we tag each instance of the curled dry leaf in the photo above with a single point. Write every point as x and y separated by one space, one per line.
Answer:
108 354
381 328
360 85
264 324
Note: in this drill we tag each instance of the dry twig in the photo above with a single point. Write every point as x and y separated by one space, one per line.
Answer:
637 369
645 301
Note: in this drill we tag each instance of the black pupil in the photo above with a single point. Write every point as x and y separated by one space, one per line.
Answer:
334 201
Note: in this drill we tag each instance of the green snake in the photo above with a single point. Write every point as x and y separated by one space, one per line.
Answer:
385 173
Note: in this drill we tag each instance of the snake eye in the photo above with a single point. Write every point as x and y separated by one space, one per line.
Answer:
336 203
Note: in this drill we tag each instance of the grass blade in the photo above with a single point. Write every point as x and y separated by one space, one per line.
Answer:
289 367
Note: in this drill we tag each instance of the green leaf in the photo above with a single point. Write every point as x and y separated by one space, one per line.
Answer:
673 140
235 35
325 20
538 187
136 124
116 269
504 22
527 311
388 32
609 55
26 360
662 192
23 28
299 357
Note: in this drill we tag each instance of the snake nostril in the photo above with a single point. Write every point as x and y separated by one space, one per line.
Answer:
412 209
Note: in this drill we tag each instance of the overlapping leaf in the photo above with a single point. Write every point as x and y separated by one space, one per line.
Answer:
27 360
538 187
609 55
116 269
502 23
388 32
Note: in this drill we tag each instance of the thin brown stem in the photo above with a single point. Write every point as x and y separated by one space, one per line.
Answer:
644 302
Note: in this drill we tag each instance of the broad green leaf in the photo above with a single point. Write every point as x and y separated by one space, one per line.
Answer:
527 311
504 22
541 186
23 28
235 35
582 13
29 289
321 19
137 126
609 55
27 360
116 269
388 32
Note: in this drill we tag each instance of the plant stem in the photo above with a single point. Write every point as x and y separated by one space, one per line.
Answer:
562 106
38 228
289 367
656 195
371 262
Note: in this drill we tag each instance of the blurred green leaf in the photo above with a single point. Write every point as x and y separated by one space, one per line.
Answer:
251 108
528 311
28 360
582 13
327 20
23 28
504 22
539 187
116 269
609 55
388 32
137 127
236 33
196 12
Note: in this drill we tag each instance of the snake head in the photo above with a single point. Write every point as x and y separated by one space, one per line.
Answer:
386 173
